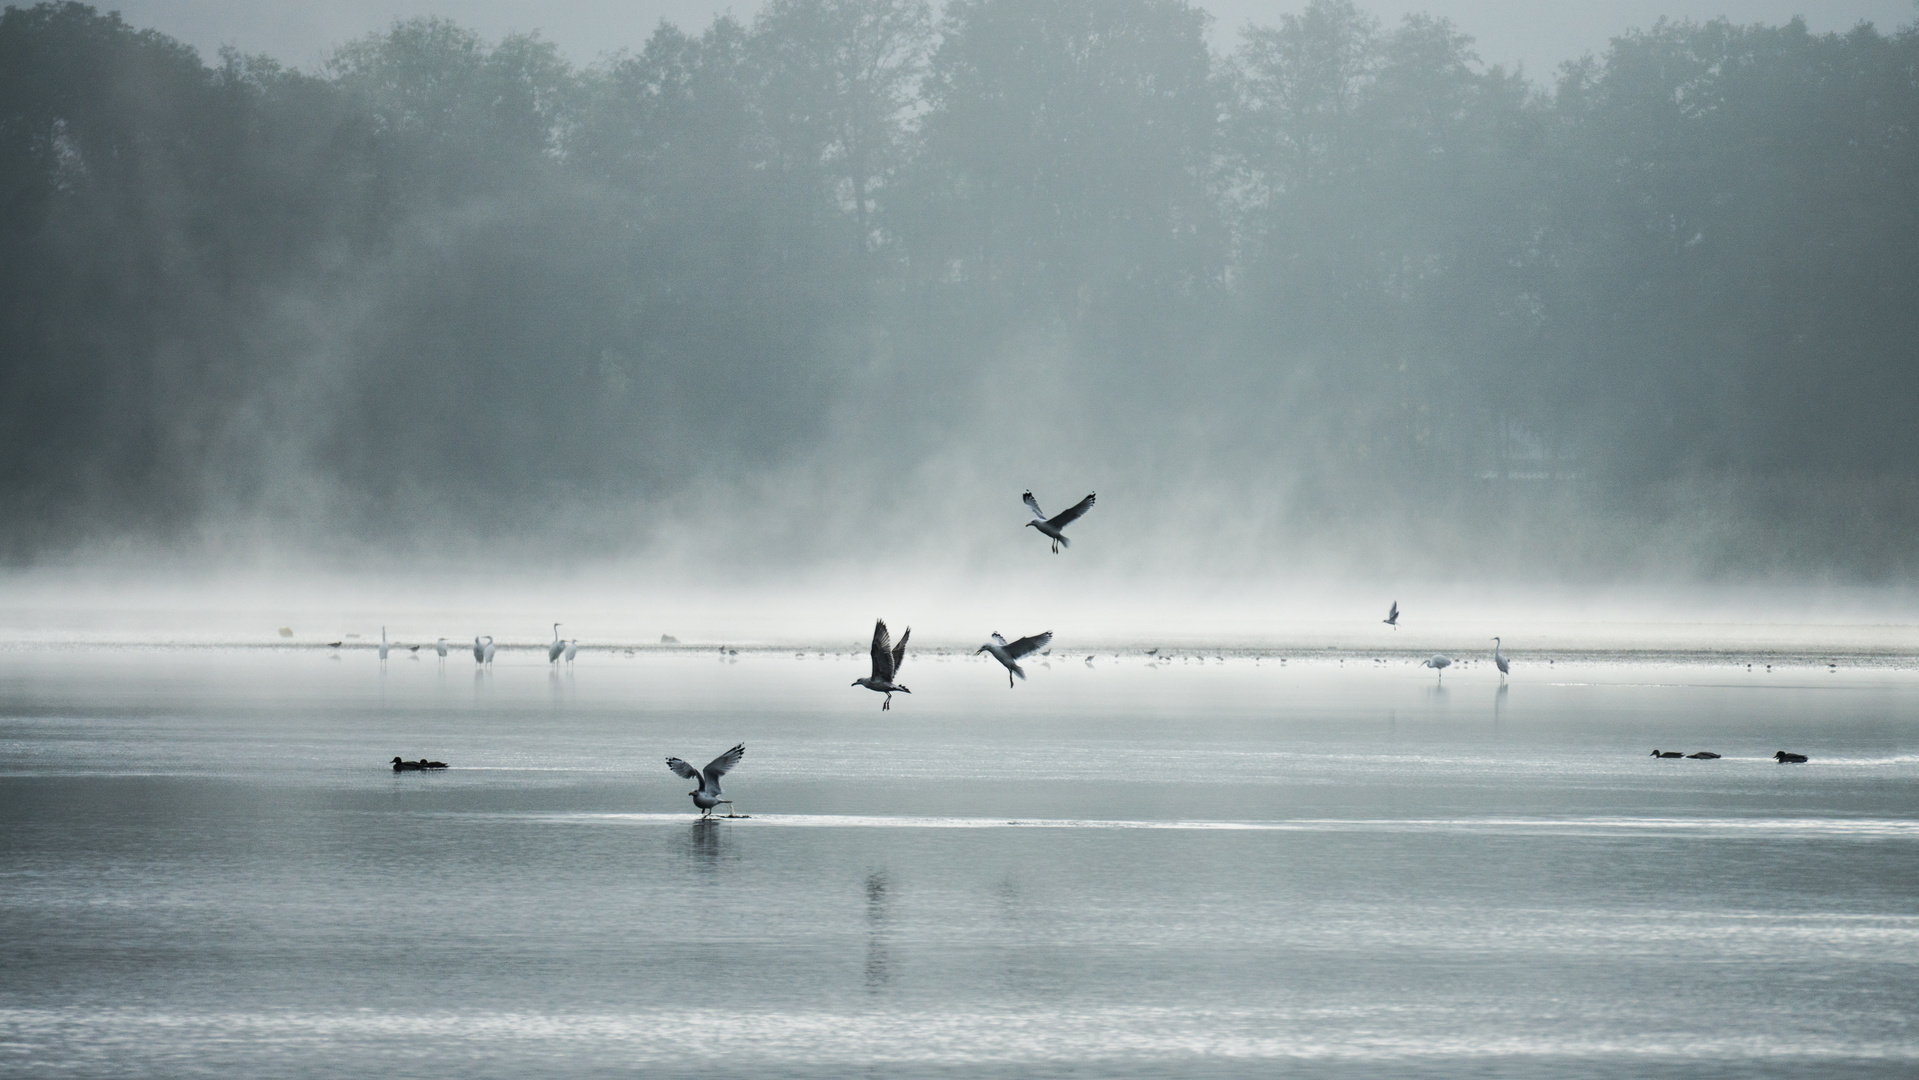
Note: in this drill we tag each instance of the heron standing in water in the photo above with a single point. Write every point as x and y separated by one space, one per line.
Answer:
554 650
1499 661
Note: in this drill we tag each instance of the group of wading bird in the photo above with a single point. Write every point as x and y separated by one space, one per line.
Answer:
888 656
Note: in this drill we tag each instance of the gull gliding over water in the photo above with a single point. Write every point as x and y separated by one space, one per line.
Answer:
887 659
708 795
1055 526
1010 653
1392 617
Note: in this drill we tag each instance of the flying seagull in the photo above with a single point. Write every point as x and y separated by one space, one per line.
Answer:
1499 661
1009 654
707 795
1392 617
1055 526
1440 662
887 659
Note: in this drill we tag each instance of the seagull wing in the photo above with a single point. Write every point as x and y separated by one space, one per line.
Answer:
683 769
1033 505
1026 646
882 652
718 766
899 654
1071 514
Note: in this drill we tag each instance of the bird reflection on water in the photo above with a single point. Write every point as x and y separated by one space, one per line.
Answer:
708 844
879 962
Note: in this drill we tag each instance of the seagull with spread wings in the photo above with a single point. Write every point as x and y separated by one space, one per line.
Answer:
887 659
1392 617
1009 653
1055 526
707 795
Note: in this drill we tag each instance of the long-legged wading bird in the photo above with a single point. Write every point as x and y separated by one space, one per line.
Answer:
1055 526
440 647
572 649
479 651
488 651
383 645
1500 661
707 795
1009 653
554 650
1439 662
1392 617
887 659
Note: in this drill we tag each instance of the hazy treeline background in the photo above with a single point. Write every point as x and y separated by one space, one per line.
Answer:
1341 297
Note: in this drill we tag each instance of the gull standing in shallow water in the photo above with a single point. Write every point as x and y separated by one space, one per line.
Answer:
1010 653
887 659
1055 526
707 795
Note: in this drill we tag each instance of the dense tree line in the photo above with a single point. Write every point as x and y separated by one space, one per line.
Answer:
449 281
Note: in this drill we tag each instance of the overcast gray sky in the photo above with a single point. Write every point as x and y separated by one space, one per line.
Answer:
1541 34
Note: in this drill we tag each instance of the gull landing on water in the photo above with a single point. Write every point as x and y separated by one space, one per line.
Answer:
707 795
1055 526
887 659
1010 654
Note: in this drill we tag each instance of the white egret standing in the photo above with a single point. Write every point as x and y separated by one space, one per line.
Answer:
440 647
1499 661
707 795
887 659
1392 617
572 649
1010 654
554 650
1055 526
488 652
383 644
1439 663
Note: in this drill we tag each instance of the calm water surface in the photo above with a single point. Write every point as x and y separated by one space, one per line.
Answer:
1195 869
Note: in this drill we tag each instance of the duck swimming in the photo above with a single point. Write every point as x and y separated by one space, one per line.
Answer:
1667 753
1784 758
1704 755
402 765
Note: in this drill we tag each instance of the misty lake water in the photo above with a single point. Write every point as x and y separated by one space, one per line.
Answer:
1214 867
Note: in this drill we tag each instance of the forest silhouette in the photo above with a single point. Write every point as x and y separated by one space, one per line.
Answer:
1666 299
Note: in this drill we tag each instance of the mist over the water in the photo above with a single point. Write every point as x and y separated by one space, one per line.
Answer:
817 294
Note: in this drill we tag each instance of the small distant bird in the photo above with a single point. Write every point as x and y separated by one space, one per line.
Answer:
1667 754
1392 616
1055 526
332 644
707 795
487 653
887 659
1784 758
1704 755
383 643
440 647
1010 654
554 650
572 649
1439 663
1499 661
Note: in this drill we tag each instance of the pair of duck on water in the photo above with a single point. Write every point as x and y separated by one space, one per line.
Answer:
1781 756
